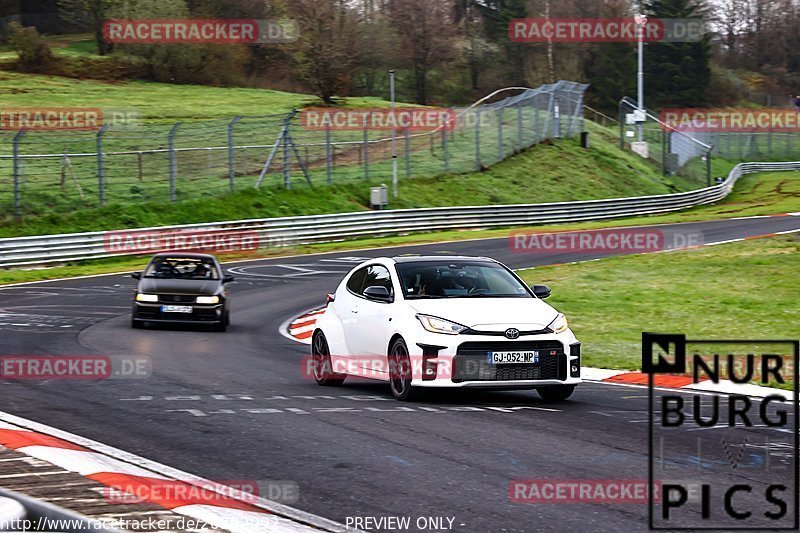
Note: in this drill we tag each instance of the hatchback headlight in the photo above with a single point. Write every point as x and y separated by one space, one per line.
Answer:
146 298
440 325
210 300
559 325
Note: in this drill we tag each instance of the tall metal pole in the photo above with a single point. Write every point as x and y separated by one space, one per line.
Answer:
394 137
641 21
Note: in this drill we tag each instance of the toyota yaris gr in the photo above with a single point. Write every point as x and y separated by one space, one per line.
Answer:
182 288
444 322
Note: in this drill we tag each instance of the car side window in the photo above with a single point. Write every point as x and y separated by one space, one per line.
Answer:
378 275
356 282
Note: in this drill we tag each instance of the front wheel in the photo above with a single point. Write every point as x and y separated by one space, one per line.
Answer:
323 368
556 393
400 372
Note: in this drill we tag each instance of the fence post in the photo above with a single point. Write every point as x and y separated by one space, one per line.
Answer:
500 150
173 161
17 139
231 161
366 148
536 119
287 164
446 147
664 151
556 118
621 117
408 152
328 154
708 167
478 137
100 167
520 140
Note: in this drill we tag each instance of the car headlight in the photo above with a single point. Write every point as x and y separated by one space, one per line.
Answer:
208 299
440 325
559 325
146 298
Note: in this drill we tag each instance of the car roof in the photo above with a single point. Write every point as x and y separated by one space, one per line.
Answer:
439 259
188 255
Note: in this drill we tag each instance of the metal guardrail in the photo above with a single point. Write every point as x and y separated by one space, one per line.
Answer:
286 231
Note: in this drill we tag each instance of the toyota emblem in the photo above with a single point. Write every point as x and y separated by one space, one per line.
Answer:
512 333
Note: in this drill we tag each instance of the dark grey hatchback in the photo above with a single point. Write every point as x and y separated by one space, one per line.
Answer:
182 288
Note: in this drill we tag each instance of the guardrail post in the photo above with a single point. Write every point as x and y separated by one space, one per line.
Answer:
101 192
500 150
16 141
173 161
478 137
328 154
231 161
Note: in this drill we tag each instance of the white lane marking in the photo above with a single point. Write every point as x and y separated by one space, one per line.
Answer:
693 392
751 217
173 473
724 242
787 232
793 214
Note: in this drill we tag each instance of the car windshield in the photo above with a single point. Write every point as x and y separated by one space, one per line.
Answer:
182 268
459 279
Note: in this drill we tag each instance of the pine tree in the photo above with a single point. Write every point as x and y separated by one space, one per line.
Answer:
676 74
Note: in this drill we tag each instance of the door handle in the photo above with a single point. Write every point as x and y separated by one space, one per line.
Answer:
354 311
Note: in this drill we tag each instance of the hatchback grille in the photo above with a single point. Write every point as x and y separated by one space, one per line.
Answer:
471 362
176 299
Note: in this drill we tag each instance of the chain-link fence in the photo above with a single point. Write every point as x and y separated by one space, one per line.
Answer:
169 162
752 146
677 153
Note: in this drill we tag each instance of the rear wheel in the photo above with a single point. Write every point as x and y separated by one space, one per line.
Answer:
556 393
323 368
400 372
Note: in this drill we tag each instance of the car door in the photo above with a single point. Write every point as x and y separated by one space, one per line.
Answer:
372 326
347 305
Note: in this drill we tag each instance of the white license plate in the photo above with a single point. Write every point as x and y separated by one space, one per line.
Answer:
176 308
504 358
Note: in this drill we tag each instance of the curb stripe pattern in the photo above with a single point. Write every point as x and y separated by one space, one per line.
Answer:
190 500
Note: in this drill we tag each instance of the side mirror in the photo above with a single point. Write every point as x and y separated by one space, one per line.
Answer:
227 278
136 275
378 293
541 291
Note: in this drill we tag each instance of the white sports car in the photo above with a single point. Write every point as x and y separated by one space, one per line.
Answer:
444 321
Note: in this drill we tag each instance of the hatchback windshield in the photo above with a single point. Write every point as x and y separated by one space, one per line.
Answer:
182 268
458 280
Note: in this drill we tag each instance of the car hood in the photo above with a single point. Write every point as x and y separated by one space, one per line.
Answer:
179 286
489 314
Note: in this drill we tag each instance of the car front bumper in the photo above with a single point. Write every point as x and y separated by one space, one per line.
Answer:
462 361
205 314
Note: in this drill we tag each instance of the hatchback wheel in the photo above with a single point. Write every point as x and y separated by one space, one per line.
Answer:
556 393
400 372
321 359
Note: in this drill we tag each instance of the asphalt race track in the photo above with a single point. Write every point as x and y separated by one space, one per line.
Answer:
237 406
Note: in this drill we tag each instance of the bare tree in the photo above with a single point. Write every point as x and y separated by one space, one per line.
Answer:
426 36
328 50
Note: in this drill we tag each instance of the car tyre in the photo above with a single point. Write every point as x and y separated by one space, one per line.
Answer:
400 372
321 359
136 324
556 393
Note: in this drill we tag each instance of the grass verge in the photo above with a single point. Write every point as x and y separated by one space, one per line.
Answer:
742 290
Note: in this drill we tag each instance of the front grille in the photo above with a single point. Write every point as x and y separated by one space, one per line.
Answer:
471 362
176 299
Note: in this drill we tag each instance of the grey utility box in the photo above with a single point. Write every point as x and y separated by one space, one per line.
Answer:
379 197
